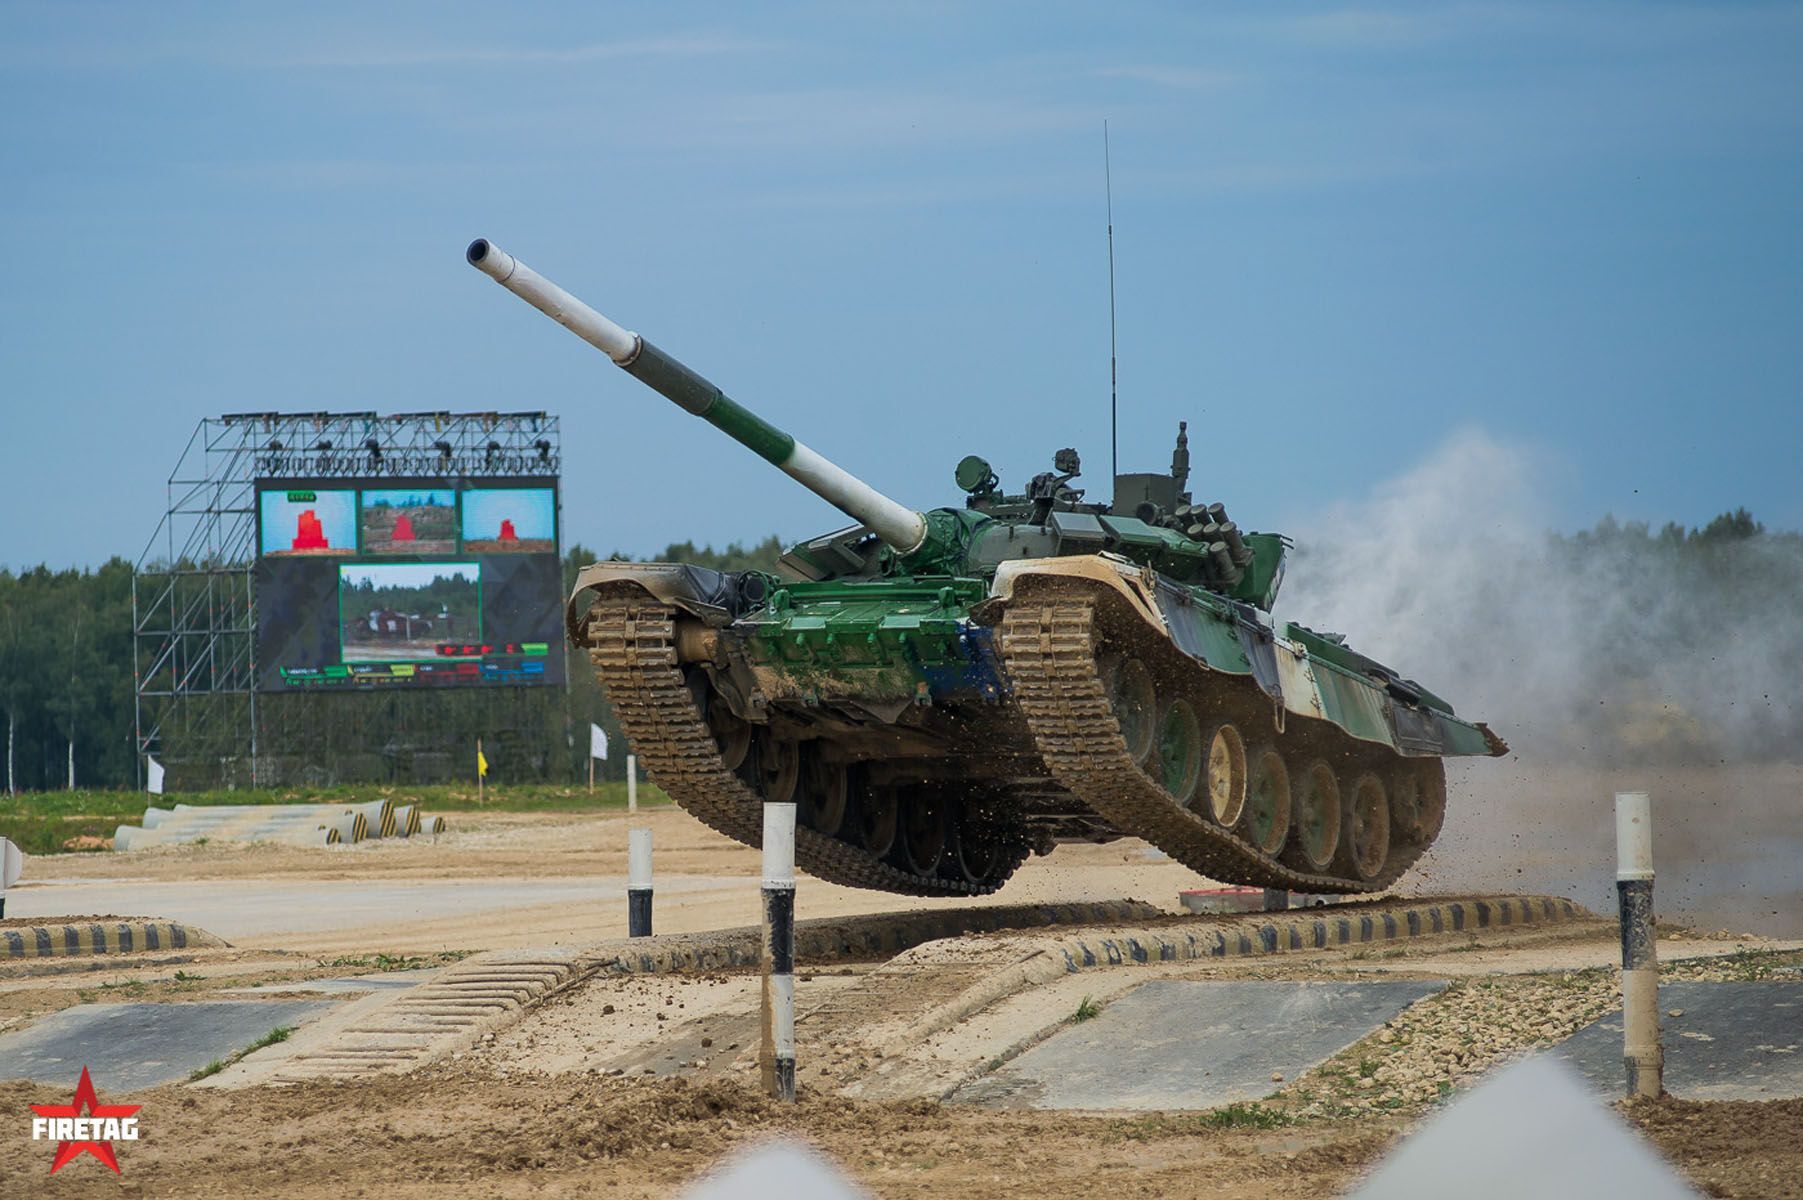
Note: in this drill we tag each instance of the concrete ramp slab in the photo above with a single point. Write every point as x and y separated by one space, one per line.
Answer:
1729 1041
131 1046
1193 1044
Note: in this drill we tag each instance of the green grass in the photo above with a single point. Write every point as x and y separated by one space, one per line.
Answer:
1086 1010
212 1068
394 962
279 1034
1245 1116
1234 1116
41 822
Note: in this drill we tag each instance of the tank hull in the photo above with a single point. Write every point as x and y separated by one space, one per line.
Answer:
936 730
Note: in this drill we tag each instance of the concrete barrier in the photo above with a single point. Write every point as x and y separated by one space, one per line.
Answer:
108 937
291 824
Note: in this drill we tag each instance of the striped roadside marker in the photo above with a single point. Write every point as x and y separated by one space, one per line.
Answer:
638 883
1643 1055
776 1059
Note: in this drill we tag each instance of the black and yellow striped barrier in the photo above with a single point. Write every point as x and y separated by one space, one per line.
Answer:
836 939
1162 938
1314 929
109 937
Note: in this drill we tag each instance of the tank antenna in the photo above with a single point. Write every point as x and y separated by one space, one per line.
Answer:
1114 420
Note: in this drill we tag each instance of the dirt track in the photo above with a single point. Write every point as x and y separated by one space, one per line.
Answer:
537 1109
419 1137
704 882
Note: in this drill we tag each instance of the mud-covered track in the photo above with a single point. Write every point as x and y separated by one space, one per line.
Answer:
632 643
1049 643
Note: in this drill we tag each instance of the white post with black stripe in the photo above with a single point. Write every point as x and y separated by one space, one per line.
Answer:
776 1058
1642 1054
638 883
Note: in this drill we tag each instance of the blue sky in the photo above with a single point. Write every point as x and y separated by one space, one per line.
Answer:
1344 236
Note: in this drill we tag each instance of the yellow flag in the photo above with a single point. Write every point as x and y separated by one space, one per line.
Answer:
481 764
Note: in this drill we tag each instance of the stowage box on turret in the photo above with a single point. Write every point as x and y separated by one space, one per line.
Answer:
943 693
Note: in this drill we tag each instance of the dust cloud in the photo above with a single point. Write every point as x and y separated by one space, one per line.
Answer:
1613 660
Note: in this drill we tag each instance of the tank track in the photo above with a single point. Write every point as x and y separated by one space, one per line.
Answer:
632 644
1049 643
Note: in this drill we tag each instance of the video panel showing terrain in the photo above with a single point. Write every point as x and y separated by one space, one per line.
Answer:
409 521
409 612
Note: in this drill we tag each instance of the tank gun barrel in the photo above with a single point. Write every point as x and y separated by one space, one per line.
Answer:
895 523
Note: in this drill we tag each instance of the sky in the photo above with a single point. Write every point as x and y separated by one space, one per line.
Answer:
406 575
1344 237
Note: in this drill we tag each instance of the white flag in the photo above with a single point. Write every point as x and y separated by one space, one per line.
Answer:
154 775
597 741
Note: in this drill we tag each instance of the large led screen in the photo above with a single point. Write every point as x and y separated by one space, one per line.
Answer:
398 583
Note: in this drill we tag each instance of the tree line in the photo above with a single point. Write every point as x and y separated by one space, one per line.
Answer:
66 670
66 701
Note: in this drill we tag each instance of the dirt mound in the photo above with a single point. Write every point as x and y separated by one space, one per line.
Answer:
1729 1147
528 1136
88 919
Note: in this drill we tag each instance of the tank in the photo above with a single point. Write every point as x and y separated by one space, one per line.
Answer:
945 692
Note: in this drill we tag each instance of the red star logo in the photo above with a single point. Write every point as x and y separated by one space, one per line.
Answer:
84 1095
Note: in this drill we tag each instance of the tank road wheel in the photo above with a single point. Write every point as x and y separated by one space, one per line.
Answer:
921 844
1135 703
779 769
878 819
1406 803
1317 816
825 795
1180 751
1430 777
1367 833
732 736
1266 821
977 851
1225 776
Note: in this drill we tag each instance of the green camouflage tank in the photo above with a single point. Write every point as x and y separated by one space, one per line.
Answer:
943 693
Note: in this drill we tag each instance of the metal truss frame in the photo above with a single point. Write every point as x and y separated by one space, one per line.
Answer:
194 604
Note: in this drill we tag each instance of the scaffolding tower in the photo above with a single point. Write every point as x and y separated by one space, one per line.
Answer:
194 603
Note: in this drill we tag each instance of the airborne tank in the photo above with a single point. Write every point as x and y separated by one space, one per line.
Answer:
944 693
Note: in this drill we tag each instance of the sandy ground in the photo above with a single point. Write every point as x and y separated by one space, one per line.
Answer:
426 1135
634 1087
1727 841
504 880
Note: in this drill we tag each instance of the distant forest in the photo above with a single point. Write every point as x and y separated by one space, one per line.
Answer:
66 681
66 660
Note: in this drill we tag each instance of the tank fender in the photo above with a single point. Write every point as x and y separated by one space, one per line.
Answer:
1136 585
699 591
